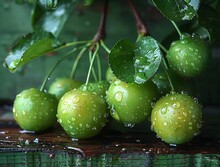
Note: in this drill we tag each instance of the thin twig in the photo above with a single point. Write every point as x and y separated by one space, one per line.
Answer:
100 34
141 27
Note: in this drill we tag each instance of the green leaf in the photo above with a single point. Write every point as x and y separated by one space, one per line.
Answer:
29 47
121 60
210 19
51 21
135 63
178 10
147 59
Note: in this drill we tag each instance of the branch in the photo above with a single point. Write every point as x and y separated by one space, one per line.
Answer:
101 30
141 27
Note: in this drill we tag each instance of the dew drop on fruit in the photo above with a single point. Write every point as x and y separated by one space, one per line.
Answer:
129 125
94 128
176 105
199 126
185 114
95 119
64 111
118 96
75 99
60 120
152 127
195 100
165 123
87 125
163 110
117 82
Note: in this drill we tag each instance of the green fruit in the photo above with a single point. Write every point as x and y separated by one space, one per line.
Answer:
130 103
176 118
82 114
62 85
188 56
98 87
35 110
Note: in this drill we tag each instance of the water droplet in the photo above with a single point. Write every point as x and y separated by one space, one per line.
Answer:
165 123
152 127
95 119
75 99
185 114
36 140
199 126
163 110
64 111
74 139
129 125
118 96
123 149
173 145
176 105
94 128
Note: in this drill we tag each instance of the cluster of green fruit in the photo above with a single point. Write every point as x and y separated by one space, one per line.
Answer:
83 109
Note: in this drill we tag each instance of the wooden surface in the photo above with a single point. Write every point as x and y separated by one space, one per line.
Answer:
129 146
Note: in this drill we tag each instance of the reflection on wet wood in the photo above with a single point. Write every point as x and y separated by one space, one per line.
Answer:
110 145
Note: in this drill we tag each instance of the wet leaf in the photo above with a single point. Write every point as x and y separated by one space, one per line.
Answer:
135 62
121 60
147 59
51 20
179 9
29 47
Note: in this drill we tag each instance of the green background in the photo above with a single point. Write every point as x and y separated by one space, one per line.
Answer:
15 21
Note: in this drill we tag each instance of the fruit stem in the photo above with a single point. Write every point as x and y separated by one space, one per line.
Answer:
99 67
104 46
93 71
163 48
91 63
177 28
72 44
54 67
141 27
165 65
75 64
100 34
167 74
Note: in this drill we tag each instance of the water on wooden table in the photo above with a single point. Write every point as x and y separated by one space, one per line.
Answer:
109 148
